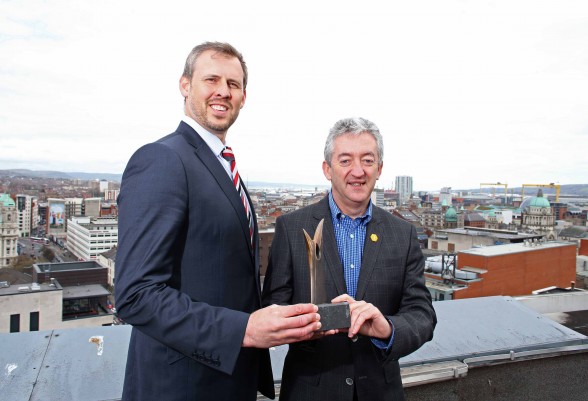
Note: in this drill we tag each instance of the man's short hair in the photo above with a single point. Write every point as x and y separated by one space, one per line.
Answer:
219 47
354 126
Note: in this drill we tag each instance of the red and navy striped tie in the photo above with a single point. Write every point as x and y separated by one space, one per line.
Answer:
229 156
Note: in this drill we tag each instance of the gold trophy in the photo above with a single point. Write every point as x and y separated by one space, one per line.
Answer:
333 316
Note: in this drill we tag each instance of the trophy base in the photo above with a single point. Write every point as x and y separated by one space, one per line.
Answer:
334 316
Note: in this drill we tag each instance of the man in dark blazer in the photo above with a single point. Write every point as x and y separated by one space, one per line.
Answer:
373 261
187 274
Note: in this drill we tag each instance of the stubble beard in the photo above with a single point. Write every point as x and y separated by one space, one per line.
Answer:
202 118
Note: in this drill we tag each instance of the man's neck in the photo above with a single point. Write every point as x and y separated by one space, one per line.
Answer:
353 211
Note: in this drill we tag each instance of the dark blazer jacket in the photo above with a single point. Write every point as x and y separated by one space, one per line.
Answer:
186 277
391 278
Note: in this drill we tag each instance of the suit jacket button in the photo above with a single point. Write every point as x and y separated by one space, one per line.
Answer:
354 338
349 381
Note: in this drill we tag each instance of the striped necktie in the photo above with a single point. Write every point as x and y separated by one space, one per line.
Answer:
229 156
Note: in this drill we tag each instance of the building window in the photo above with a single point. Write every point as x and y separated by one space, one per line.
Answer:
15 323
450 247
34 325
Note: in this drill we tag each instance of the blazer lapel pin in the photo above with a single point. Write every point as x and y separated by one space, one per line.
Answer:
374 238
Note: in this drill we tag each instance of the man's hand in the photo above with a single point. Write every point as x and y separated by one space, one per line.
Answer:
366 319
277 325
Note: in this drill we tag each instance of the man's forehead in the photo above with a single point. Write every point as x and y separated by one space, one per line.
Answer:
208 60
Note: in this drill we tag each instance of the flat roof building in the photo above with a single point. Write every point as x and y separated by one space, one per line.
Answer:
509 269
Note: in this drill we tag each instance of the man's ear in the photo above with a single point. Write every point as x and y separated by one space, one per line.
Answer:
184 86
327 170
244 97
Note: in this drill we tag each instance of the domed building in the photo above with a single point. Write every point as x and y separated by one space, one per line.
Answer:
538 216
8 230
450 218
492 221
453 218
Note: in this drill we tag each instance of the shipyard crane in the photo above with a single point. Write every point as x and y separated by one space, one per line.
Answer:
551 185
497 184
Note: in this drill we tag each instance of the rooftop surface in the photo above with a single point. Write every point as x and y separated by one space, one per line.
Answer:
68 266
88 363
84 291
506 249
28 288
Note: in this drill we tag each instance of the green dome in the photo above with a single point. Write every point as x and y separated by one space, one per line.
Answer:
6 200
451 214
539 201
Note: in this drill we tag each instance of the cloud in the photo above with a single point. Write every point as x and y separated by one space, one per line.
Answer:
463 92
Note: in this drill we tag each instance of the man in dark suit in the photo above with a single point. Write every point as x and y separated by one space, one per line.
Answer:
373 261
187 264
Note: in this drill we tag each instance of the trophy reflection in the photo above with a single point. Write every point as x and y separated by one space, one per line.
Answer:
333 316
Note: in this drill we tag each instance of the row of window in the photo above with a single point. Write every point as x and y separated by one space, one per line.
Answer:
15 322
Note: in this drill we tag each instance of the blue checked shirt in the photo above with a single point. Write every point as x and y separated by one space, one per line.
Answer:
350 236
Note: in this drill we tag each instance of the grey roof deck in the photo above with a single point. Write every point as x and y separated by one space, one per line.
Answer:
66 365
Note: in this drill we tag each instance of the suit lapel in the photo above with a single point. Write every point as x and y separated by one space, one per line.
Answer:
330 252
371 250
211 162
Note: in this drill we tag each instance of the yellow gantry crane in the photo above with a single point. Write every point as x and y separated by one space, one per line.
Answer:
551 185
497 184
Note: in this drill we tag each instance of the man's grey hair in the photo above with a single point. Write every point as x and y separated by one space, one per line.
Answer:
219 47
353 126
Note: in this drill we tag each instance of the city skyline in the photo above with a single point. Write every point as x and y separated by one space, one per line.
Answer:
463 93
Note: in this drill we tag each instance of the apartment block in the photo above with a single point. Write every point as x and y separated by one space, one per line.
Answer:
88 237
27 208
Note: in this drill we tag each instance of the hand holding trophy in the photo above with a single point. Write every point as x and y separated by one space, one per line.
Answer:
333 316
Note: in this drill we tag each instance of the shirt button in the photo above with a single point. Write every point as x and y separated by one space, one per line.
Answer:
352 266
349 381
351 235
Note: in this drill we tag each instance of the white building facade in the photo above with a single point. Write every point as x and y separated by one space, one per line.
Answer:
88 237
403 186
8 230
27 209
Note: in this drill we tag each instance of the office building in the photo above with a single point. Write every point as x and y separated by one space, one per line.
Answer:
27 209
403 186
8 230
87 237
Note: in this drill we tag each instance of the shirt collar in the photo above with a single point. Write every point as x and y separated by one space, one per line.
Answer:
213 142
337 214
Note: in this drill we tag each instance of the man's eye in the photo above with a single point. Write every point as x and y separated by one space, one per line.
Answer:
344 163
368 162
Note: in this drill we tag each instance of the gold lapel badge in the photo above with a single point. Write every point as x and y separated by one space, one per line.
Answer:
374 237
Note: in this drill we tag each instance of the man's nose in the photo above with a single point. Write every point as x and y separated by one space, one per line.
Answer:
222 89
357 168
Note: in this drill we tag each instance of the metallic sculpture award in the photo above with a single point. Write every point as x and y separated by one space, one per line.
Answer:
333 316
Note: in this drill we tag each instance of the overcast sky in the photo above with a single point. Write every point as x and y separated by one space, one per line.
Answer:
464 92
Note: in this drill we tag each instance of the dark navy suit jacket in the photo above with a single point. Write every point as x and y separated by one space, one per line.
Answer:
186 277
391 278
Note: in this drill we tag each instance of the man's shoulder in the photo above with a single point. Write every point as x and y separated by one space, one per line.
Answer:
178 135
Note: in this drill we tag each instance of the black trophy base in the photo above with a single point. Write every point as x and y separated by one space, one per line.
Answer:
334 316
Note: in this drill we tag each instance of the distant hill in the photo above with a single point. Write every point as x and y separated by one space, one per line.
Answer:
118 178
565 190
60 174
